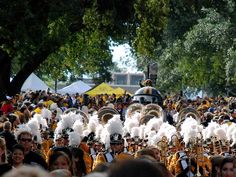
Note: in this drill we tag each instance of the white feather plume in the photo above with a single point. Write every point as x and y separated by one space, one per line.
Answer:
233 138
99 131
46 113
53 106
142 131
229 131
114 125
59 128
67 120
74 139
136 116
86 132
92 125
135 132
154 124
78 127
220 133
33 125
130 123
153 140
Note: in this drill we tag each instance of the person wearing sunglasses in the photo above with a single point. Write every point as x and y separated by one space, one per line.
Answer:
25 138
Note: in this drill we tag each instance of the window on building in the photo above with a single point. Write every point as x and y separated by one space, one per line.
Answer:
121 80
134 79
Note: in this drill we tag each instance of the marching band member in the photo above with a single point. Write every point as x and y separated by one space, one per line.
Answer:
112 137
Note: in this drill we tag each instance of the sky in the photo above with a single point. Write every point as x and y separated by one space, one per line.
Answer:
122 56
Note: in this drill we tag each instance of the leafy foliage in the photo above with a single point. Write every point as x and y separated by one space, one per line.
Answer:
202 56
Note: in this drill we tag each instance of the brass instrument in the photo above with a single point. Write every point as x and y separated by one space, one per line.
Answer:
144 119
175 142
199 155
201 160
150 111
187 112
163 146
136 107
153 109
217 146
84 116
195 144
106 113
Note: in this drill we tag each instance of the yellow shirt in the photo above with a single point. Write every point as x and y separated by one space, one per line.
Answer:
48 103
38 110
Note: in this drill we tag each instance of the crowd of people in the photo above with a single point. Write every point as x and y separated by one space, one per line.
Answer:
47 134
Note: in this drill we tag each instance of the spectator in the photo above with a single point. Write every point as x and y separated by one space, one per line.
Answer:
8 135
135 168
25 139
4 166
15 120
17 158
7 106
27 171
216 161
61 173
227 167
59 160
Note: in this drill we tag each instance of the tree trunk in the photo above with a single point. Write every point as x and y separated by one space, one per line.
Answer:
55 86
5 69
38 58
14 87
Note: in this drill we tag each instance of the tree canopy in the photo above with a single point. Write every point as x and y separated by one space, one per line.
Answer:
193 42
201 55
61 37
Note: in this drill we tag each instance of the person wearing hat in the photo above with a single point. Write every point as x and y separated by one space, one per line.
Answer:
46 142
65 136
53 121
111 136
58 142
94 145
117 151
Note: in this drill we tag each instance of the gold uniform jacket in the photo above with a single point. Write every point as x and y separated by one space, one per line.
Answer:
109 157
179 163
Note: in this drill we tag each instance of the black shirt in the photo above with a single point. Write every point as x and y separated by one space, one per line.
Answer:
32 158
9 138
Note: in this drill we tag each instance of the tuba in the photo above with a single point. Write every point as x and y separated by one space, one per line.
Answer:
132 109
106 113
144 119
187 112
150 111
153 109
84 116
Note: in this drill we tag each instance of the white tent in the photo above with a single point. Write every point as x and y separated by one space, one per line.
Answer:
33 82
76 87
